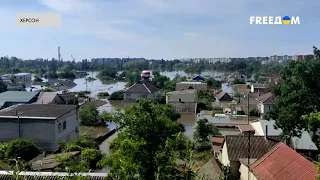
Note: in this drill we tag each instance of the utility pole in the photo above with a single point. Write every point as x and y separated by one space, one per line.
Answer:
248 138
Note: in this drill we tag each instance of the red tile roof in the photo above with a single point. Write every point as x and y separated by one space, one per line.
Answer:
216 139
245 128
283 163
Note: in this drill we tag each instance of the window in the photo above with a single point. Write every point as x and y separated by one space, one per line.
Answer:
59 127
64 125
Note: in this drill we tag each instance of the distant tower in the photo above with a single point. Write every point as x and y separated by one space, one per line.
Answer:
59 55
145 75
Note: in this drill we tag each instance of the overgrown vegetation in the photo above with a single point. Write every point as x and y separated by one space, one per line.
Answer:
89 115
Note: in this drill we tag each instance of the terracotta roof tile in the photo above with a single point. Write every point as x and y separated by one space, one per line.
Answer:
217 139
283 163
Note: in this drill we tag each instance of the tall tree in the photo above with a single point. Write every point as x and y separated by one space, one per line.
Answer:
147 146
297 95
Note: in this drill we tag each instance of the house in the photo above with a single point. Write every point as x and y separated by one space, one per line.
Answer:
198 78
51 162
274 80
50 98
22 77
304 144
280 163
236 148
217 144
15 88
223 97
235 76
260 88
191 85
31 175
241 88
184 107
45 124
266 103
189 95
10 98
142 89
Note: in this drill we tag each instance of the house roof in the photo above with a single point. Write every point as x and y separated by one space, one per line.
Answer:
257 85
16 88
283 163
217 139
222 94
42 111
197 78
31 175
21 74
51 161
142 87
16 96
304 142
237 146
267 98
47 97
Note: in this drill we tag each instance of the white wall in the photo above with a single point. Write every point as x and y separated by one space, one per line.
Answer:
72 122
184 96
244 173
224 157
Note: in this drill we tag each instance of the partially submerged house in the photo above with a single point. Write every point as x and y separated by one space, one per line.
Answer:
143 89
266 103
15 88
50 98
260 88
52 161
235 76
304 144
45 124
189 95
22 77
236 148
223 97
191 85
10 98
198 78
280 163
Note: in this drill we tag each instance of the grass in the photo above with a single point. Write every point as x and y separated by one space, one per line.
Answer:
201 158
92 132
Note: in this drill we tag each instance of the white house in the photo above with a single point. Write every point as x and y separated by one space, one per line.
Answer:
266 103
22 77
45 124
266 127
182 96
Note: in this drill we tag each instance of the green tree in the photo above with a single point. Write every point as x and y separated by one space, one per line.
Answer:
89 115
204 130
20 149
78 144
3 87
297 95
213 83
91 157
144 148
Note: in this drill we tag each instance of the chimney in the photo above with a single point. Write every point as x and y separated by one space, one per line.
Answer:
266 134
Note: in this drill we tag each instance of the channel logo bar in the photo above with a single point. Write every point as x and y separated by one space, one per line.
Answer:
38 20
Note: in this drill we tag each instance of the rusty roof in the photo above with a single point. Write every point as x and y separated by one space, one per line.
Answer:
237 146
217 139
267 98
283 163
245 127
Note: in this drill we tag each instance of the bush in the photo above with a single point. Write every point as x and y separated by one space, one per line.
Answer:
91 156
89 115
78 144
254 112
103 94
117 95
23 148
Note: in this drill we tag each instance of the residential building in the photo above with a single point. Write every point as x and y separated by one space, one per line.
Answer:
198 78
304 144
280 163
260 88
50 98
22 77
15 88
223 97
50 175
10 98
298 57
191 85
274 80
143 89
217 144
266 103
184 107
45 124
238 76
189 95
236 148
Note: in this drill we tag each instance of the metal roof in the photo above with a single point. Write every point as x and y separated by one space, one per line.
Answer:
16 96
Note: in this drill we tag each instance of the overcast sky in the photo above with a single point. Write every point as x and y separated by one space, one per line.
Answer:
160 28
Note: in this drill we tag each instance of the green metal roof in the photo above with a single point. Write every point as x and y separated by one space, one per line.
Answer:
16 96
